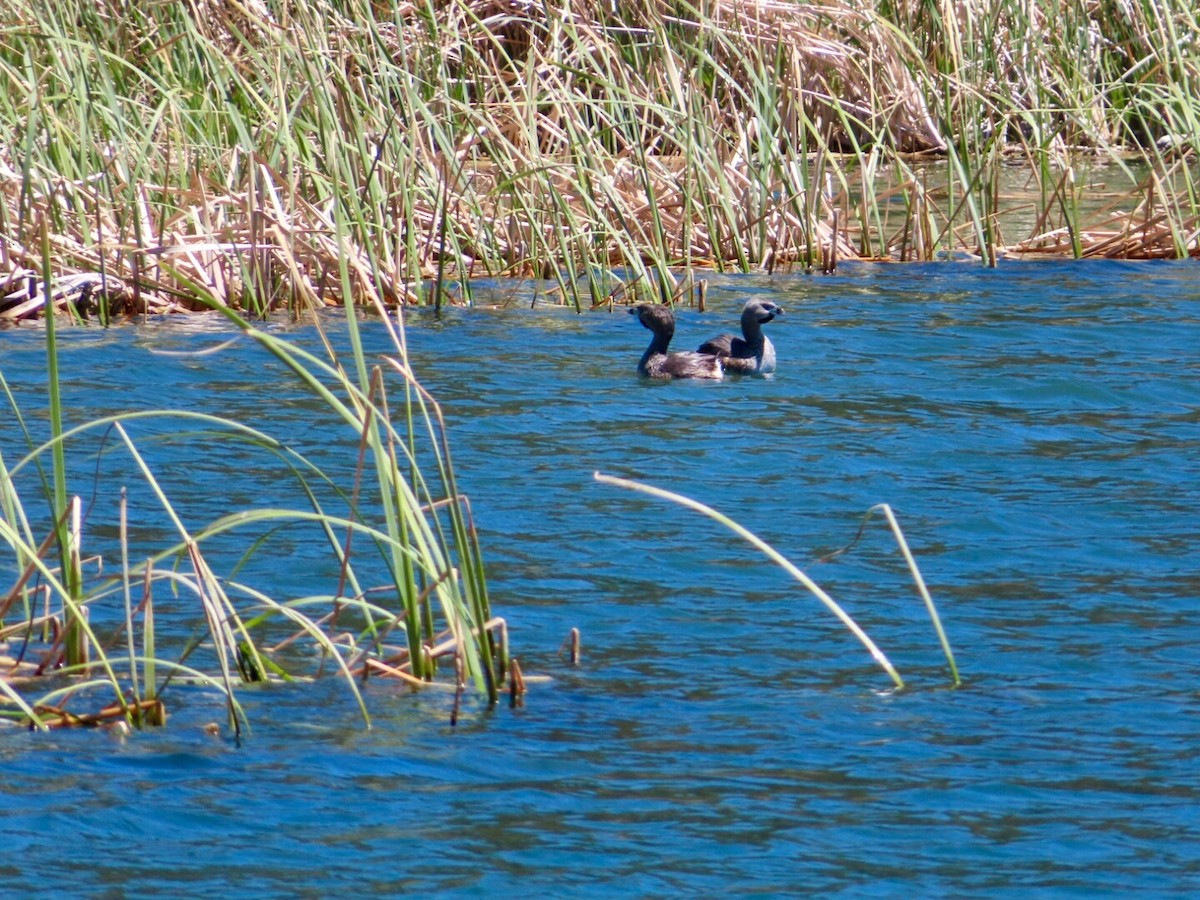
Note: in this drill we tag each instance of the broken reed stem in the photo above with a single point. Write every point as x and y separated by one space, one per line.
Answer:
516 683
152 712
922 589
773 554
918 579
571 646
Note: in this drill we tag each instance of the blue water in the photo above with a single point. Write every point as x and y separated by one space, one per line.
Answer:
1035 429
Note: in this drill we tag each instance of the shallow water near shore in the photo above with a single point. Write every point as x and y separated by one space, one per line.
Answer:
1034 427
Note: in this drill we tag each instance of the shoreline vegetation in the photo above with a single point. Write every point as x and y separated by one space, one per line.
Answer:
286 156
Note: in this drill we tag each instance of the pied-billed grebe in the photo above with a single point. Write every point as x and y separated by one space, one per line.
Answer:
753 353
657 362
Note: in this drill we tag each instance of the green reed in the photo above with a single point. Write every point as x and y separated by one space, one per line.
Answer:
402 515
784 563
180 144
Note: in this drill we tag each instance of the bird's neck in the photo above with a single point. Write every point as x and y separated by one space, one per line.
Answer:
659 342
752 330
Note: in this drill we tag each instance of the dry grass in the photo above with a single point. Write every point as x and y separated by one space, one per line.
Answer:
289 156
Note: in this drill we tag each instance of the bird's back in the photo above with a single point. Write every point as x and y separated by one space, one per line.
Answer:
682 365
725 345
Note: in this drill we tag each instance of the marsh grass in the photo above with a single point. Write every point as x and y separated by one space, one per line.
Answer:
247 150
808 583
112 651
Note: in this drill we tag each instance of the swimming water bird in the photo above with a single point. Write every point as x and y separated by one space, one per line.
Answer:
752 353
657 362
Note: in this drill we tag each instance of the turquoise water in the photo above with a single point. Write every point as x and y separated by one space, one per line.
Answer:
1034 427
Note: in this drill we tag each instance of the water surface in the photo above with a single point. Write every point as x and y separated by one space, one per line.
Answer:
1035 429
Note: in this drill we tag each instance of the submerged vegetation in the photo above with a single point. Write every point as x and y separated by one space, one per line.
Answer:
288 155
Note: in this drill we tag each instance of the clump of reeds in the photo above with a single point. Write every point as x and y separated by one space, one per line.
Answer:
410 590
213 146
